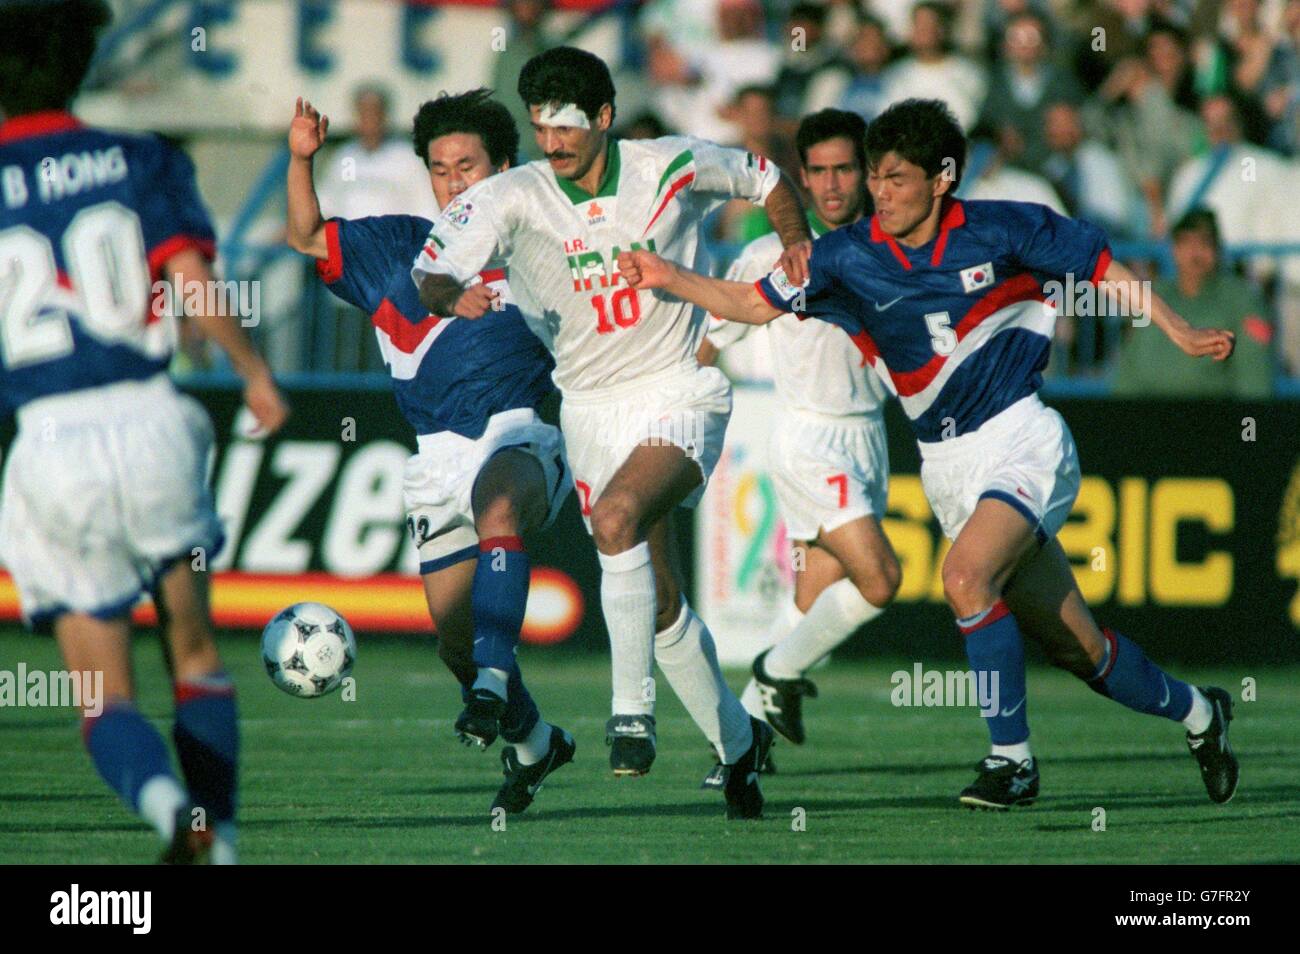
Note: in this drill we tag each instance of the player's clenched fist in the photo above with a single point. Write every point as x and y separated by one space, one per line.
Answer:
475 302
307 131
794 262
641 269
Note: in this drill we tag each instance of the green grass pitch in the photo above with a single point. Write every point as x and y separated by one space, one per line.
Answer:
381 779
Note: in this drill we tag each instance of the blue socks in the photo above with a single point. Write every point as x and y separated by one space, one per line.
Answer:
207 742
1127 676
499 595
997 652
127 751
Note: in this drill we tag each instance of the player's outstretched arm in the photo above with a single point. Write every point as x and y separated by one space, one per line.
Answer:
1118 282
736 301
305 230
260 392
786 213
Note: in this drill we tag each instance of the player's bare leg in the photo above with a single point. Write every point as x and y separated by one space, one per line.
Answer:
864 580
206 729
1046 600
629 519
982 560
509 498
125 748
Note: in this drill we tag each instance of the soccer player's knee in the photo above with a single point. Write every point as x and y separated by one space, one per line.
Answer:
880 585
614 523
967 590
498 517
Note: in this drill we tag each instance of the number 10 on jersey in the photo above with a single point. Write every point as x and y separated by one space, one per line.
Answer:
619 309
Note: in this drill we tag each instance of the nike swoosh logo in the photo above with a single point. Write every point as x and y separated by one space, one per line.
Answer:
537 786
1165 701
479 640
887 305
1012 710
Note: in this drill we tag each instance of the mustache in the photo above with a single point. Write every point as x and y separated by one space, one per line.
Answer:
560 155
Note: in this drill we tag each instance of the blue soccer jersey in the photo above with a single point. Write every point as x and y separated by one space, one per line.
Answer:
449 374
87 220
959 328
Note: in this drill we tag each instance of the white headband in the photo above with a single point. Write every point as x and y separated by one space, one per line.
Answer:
567 115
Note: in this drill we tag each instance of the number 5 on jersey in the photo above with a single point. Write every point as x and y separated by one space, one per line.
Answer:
942 338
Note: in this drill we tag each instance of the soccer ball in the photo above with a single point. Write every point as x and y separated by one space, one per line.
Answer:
308 650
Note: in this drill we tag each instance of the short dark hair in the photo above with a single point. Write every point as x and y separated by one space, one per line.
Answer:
46 47
473 112
567 74
1198 220
832 124
922 131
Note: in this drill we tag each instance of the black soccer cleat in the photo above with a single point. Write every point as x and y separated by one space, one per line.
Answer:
1219 768
717 777
782 700
523 782
631 741
744 797
187 847
1002 783
480 722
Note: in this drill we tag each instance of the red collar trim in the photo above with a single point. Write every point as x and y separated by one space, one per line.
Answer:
954 216
880 235
38 124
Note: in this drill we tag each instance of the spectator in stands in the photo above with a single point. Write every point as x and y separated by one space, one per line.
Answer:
1022 86
696 85
1088 176
1281 86
1241 183
753 112
812 71
646 125
933 70
869 54
1113 32
527 37
989 174
1207 296
1139 108
375 173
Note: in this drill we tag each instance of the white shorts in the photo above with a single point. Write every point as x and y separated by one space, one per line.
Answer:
1024 456
104 489
439 482
827 471
686 408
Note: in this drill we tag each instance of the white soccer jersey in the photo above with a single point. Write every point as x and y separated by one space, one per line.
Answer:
561 247
816 366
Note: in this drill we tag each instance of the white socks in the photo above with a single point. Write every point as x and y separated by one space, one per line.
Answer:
1199 719
159 800
788 616
532 749
689 661
834 616
627 598
493 680
1017 753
